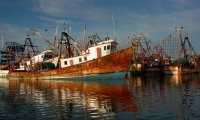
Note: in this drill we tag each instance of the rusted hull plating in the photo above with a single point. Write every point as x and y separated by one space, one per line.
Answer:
117 62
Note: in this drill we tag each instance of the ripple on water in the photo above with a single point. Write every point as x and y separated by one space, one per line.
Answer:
137 98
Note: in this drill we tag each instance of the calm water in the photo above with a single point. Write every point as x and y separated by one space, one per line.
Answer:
150 98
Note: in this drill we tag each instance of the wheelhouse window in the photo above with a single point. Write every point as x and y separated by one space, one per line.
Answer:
48 56
104 47
80 59
85 58
108 47
65 62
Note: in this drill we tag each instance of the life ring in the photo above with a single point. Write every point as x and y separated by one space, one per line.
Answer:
87 51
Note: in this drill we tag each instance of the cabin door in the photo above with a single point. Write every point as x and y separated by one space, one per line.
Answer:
71 62
98 52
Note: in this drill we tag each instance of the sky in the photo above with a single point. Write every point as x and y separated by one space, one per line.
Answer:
155 18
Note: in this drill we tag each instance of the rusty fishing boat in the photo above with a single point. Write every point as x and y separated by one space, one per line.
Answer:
69 59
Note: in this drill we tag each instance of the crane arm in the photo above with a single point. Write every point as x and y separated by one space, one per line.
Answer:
41 36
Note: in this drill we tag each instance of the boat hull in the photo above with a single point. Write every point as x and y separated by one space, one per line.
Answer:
116 62
179 70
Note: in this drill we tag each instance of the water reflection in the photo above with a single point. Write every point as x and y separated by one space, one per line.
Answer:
165 98
65 99
171 97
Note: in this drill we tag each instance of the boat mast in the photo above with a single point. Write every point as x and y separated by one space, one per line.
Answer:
182 44
113 27
55 36
29 47
135 44
85 37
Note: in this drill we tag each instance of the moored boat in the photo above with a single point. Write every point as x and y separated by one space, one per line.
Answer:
116 62
9 56
99 57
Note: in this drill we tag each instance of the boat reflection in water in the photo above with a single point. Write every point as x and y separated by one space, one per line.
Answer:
170 97
65 99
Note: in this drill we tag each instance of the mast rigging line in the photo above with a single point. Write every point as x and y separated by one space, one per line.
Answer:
34 31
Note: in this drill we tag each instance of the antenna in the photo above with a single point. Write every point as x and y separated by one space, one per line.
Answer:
113 27
65 29
186 32
84 37
70 30
55 36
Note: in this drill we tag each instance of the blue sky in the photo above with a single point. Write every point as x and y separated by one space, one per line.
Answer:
156 18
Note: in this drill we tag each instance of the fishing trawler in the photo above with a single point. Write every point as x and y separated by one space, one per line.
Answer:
183 58
9 55
69 59
173 56
146 62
